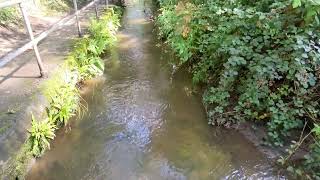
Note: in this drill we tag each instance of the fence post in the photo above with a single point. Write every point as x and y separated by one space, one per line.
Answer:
96 10
107 3
77 17
35 47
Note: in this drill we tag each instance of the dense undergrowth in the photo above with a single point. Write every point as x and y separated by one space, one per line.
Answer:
260 61
62 89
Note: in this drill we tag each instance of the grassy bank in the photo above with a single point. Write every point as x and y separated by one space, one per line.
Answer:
260 62
62 91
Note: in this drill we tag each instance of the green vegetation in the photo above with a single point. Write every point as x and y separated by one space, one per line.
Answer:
8 16
62 91
260 62
85 58
54 5
41 133
63 96
18 165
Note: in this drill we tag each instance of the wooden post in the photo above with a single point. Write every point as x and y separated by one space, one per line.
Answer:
35 47
107 3
77 17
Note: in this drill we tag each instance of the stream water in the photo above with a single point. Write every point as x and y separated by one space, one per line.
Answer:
143 123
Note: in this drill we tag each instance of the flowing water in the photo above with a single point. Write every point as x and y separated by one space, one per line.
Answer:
143 122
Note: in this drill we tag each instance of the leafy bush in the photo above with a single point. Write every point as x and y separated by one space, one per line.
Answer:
85 57
41 133
260 60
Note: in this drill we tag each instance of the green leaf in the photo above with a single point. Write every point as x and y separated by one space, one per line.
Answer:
316 129
296 3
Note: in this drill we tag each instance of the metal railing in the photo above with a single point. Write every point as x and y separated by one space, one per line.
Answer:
35 40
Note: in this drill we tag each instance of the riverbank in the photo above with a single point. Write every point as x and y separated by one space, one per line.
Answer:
255 68
60 107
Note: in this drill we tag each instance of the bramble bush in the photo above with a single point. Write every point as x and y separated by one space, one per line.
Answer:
260 60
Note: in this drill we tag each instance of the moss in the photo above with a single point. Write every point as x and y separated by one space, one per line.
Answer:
4 128
17 165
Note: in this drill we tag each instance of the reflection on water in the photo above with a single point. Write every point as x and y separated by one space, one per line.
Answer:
142 125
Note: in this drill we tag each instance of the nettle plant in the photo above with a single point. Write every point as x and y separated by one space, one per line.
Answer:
260 60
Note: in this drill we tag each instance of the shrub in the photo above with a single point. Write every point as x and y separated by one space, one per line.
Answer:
85 57
259 59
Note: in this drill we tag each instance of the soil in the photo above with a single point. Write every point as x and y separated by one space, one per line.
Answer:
14 35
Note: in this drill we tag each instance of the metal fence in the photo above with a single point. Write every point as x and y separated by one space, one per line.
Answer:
33 43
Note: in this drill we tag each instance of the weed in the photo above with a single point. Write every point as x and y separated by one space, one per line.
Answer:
41 133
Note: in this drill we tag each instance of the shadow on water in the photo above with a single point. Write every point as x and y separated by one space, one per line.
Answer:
142 125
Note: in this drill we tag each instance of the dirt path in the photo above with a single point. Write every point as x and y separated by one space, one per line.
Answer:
14 35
